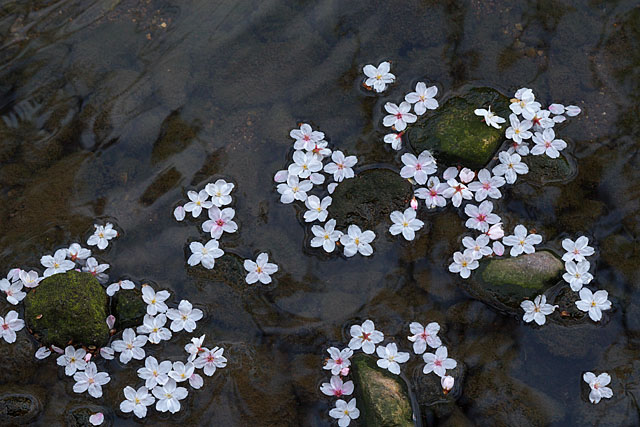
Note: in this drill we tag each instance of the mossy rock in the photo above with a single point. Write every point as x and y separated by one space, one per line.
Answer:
228 269
128 308
18 408
543 169
382 397
429 394
455 135
69 307
369 198
506 282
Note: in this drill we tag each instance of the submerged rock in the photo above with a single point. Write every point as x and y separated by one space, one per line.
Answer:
369 198
429 392
18 408
68 307
455 135
383 398
543 169
506 282
128 308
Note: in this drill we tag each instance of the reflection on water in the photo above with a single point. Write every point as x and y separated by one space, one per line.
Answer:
113 109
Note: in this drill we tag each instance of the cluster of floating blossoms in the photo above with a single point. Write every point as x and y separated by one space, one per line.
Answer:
365 337
309 156
161 379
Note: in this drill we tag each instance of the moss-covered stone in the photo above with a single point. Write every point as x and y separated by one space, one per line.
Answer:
128 308
18 408
229 269
69 307
369 197
430 396
382 396
455 135
543 169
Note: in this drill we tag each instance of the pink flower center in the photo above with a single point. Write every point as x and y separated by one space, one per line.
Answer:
210 359
339 361
418 167
547 144
433 192
437 362
458 188
424 335
220 222
481 217
486 186
365 336
5 326
306 138
337 392
399 116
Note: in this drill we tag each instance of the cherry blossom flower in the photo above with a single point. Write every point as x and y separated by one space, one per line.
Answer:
433 194
194 347
196 381
335 387
521 242
120 284
522 148
57 263
339 360
43 353
598 386
542 121
76 252
578 250
9 325
30 279
198 202
422 98
463 264
418 168
96 270
510 166
325 236
13 291
102 235
169 396
185 317
136 401
423 336
378 77
154 373
304 164
341 167
525 104
72 360
155 300
478 247
130 346
220 192
447 383
519 130
261 270
439 362
317 209
390 358
405 223
294 189
593 303
577 274
395 139
490 118
365 336
210 360
220 221
179 213
495 231
319 150
487 186
90 380
467 175
181 372
457 192
356 241
481 217
204 254
399 116
547 144
305 137
537 310
96 419
345 412
154 326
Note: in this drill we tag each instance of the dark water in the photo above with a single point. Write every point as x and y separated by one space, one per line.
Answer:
114 115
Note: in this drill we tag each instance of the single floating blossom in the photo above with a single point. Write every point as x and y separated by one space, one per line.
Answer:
390 358
578 250
490 118
399 115
365 336
155 300
339 360
433 194
317 209
204 254
13 291
210 360
90 380
405 223
577 274
345 412
325 236
136 401
598 386
457 192
181 372
463 263
72 360
261 270
185 317
487 186
378 77
102 235
467 175
179 213
57 263
294 189
423 336
220 192
547 144
524 103
304 164
522 148
305 137
356 241
519 130
418 168
510 166
130 346
198 202
423 98
439 362
154 373
76 252
30 279
97 270
537 310
341 167
220 221
120 284
9 325
481 217
194 347
593 303
96 419
335 387
521 242
542 121
395 139
169 396
447 383
478 247
320 150
154 326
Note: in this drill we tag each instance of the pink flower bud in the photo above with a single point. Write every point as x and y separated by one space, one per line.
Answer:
414 204
179 213
87 357
111 320
496 232
447 383
467 175
344 371
498 248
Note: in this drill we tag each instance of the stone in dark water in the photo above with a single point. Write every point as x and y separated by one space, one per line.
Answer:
543 169
429 392
369 198
383 399
455 135
128 308
68 307
229 269
18 408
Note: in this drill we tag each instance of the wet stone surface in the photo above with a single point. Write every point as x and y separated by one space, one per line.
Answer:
128 308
